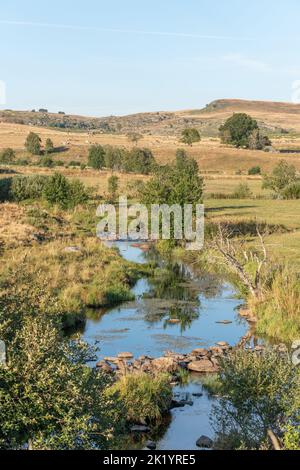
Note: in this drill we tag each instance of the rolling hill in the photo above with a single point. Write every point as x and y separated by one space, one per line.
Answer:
274 117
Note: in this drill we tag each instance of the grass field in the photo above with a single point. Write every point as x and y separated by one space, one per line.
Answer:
209 153
282 245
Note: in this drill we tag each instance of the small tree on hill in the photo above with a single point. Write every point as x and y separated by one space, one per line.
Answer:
33 143
190 136
96 157
49 147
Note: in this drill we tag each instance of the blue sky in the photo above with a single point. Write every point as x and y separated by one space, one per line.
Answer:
118 57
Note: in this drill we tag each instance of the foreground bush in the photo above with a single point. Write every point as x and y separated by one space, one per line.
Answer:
28 187
49 398
260 393
146 398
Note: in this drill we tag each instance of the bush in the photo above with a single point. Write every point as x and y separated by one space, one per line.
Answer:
59 190
292 191
242 192
190 136
28 187
255 170
7 155
259 392
46 162
146 398
282 176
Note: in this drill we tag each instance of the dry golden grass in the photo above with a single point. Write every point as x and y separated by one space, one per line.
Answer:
14 230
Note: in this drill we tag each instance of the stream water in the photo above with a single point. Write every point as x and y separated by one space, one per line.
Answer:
176 310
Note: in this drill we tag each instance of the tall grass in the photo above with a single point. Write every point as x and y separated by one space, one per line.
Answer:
146 398
278 312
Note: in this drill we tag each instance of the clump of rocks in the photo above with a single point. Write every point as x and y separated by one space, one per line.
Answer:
199 360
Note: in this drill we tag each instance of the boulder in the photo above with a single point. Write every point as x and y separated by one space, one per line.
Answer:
125 355
204 442
199 352
111 359
165 364
150 445
180 403
222 344
103 365
204 365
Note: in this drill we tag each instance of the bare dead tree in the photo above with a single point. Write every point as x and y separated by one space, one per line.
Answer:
232 251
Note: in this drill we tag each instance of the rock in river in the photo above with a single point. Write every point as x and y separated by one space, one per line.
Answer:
205 365
125 355
165 364
204 442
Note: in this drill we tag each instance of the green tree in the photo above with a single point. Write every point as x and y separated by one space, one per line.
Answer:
190 136
49 147
96 157
49 398
113 157
139 161
172 184
7 155
113 182
33 143
283 175
237 130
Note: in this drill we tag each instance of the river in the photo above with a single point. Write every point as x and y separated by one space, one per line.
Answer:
176 310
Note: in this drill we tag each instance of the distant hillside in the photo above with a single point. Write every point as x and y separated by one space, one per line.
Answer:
273 117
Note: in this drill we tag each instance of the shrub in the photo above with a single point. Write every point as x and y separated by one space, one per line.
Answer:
33 143
146 398
282 176
28 187
7 155
291 191
46 162
190 136
259 392
59 190
255 170
242 192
